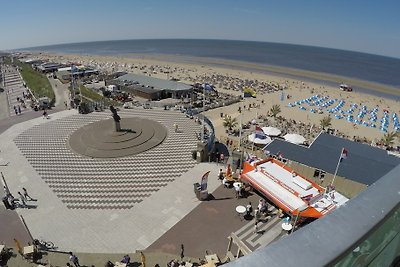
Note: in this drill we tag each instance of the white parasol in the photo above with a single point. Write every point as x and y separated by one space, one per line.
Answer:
294 138
271 131
258 141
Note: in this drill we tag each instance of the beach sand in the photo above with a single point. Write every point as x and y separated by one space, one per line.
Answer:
230 79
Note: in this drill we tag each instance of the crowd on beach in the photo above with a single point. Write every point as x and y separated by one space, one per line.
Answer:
233 82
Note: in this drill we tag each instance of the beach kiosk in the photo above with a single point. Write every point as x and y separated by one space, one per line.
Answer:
290 191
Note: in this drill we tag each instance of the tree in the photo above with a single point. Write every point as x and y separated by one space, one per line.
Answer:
275 110
326 122
388 138
230 122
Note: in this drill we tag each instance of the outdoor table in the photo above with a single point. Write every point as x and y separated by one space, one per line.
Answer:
241 210
287 226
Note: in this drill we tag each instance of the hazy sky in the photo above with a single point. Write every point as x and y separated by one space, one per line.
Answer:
371 26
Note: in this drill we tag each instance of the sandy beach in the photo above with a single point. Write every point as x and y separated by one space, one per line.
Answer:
231 79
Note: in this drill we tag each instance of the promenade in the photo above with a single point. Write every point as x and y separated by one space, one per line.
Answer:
103 209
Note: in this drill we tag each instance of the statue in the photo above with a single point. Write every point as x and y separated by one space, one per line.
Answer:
117 119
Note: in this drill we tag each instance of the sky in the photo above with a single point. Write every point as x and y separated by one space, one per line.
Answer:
369 26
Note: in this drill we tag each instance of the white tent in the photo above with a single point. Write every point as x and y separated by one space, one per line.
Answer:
271 131
294 138
258 141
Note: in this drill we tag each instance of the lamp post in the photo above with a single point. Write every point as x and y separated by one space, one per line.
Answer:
240 135
301 209
204 110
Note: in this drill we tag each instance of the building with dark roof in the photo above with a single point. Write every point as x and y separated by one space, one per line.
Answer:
154 88
49 67
365 164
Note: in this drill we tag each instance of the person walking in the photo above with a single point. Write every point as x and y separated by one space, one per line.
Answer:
182 252
74 259
23 200
222 158
26 195
249 209
220 174
257 217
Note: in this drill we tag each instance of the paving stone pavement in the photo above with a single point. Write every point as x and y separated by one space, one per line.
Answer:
88 205
14 87
269 229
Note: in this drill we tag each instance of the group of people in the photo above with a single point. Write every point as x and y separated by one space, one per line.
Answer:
10 202
21 102
259 212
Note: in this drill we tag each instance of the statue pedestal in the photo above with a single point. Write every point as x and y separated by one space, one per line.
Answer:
117 126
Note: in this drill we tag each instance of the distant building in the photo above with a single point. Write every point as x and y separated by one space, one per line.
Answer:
34 62
49 67
363 167
64 73
154 88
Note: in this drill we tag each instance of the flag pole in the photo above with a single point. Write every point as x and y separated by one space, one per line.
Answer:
337 167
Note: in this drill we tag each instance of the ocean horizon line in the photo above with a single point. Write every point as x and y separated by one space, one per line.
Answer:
202 39
322 62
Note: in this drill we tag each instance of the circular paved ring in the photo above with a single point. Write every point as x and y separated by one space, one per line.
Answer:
101 140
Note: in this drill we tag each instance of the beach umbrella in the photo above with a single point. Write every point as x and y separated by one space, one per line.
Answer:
295 138
271 131
258 141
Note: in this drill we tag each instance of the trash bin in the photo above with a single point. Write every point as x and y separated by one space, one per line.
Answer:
203 195
196 187
6 203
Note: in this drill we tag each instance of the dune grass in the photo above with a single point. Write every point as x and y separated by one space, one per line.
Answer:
90 94
36 81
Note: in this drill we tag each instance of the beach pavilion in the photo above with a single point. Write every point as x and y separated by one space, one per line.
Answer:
154 88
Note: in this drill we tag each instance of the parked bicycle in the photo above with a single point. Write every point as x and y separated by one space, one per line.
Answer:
44 245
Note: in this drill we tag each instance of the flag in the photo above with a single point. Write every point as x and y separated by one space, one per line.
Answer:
343 155
204 181
260 133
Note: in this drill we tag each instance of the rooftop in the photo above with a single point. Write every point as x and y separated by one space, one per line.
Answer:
157 83
364 164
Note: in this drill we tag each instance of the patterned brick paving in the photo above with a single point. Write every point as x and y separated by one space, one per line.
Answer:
119 183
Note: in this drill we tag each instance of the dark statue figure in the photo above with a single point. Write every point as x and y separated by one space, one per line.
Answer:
117 118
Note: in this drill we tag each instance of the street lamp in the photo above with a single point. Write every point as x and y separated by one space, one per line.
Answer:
301 209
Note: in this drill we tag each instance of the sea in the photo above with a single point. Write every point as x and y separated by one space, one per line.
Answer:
355 65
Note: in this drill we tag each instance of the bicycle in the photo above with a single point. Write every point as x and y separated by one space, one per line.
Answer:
41 244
